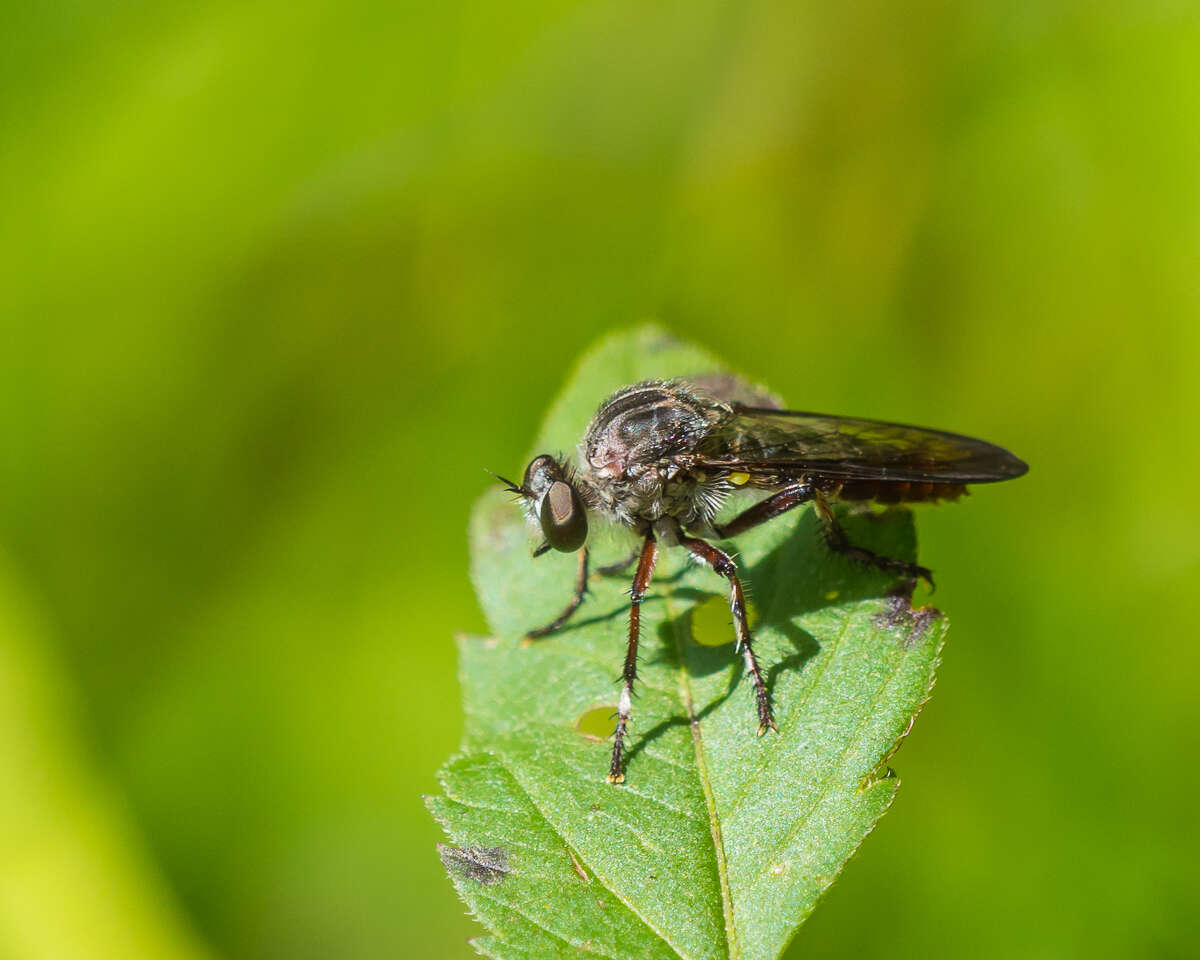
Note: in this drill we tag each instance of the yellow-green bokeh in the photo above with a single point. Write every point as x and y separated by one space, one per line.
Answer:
278 280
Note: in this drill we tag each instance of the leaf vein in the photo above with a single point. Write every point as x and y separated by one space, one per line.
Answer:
802 821
662 803
732 945
508 905
604 885
796 711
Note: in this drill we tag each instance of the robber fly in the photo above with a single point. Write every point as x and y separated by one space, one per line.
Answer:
661 457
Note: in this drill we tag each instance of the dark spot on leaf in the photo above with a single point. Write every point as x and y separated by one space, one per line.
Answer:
484 865
922 617
596 724
900 615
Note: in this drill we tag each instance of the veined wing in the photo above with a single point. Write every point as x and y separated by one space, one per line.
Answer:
774 445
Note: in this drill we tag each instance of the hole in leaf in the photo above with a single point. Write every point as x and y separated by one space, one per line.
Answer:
596 724
712 623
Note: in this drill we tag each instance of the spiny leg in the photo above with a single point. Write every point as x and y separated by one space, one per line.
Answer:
776 504
835 537
581 581
723 564
641 580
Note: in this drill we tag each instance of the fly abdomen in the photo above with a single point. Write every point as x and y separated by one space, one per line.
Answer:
899 491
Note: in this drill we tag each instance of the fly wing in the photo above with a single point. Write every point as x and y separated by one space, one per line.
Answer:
776 446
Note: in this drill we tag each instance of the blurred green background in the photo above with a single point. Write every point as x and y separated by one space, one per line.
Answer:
278 280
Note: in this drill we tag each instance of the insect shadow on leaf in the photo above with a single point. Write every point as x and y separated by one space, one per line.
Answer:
800 572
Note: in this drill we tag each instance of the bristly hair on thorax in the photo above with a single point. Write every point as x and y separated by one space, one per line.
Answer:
639 451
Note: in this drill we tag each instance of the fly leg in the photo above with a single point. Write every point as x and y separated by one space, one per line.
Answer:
769 509
581 581
723 564
835 537
641 580
798 493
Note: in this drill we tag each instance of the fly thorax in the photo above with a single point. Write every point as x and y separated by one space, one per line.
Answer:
647 424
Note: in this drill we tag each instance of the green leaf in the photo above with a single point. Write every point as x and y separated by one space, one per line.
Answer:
719 843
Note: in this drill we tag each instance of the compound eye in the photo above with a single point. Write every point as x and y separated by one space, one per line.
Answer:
563 519
541 472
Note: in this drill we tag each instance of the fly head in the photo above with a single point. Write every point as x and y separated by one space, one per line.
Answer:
556 503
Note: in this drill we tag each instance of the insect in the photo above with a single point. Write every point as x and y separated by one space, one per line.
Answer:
661 457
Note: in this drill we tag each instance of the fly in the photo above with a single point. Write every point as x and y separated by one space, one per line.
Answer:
661 457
